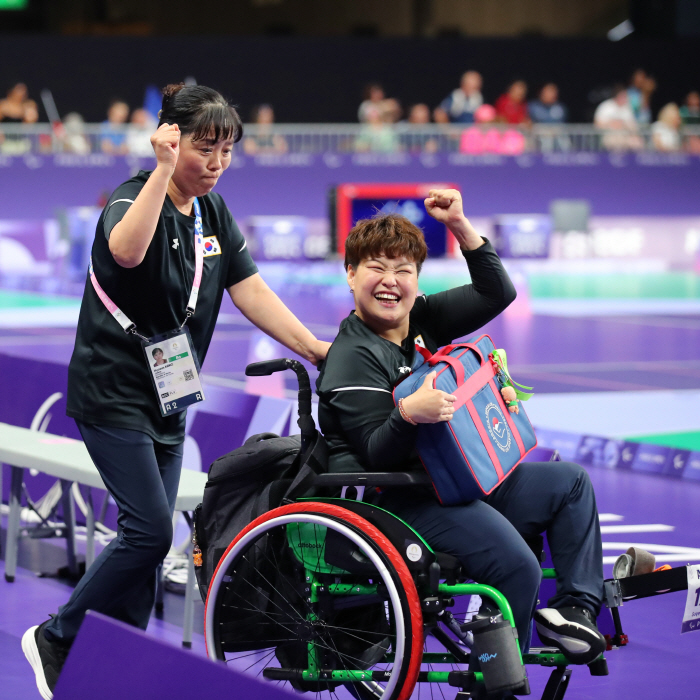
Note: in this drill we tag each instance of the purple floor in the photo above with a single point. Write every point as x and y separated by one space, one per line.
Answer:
554 354
659 662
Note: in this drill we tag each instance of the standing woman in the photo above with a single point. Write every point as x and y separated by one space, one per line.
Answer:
152 275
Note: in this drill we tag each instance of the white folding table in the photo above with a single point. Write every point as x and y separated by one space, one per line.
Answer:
68 460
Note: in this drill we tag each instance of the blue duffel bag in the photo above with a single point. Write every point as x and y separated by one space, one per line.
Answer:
469 456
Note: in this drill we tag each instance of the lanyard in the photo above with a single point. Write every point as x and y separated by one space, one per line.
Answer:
122 319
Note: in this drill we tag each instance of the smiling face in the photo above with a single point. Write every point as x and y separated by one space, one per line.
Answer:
385 291
200 164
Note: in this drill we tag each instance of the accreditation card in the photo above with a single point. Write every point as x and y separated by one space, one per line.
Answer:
174 369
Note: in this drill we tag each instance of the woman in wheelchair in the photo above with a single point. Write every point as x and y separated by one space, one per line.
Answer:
375 349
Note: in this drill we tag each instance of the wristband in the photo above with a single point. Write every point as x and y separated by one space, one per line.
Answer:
405 415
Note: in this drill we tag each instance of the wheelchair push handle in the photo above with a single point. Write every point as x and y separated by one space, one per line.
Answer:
268 367
265 369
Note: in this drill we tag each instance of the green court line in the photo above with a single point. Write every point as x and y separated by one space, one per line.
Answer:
663 285
666 285
681 441
23 300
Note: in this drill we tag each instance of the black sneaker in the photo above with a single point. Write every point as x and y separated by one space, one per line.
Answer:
46 658
573 630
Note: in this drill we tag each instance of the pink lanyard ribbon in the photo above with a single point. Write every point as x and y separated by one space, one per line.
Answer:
122 319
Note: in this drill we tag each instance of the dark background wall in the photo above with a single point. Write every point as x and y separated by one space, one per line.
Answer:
321 79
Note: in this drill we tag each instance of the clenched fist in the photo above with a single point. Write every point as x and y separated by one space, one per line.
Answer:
445 206
166 144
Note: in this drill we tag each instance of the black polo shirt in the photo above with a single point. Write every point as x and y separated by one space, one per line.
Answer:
363 429
108 381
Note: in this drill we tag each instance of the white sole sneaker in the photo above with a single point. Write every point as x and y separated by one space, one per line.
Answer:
580 642
31 651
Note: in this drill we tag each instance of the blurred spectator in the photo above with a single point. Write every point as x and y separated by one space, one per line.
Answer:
459 106
376 135
374 99
639 94
419 115
74 139
17 108
138 138
480 139
391 110
690 111
665 132
547 109
511 107
549 113
616 118
113 132
264 141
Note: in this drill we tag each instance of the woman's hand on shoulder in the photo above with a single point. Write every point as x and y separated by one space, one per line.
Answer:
429 405
166 144
319 351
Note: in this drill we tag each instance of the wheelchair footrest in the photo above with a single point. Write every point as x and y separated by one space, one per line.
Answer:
325 674
599 667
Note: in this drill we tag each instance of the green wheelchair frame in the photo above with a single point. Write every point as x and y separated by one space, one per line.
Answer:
374 540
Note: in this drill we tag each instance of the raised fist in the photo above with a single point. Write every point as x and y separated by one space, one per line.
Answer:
166 144
445 206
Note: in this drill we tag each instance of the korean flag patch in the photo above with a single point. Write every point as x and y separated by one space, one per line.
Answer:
211 246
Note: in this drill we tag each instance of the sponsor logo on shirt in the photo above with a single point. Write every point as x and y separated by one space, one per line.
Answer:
211 246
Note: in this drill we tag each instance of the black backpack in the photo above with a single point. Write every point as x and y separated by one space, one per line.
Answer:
262 474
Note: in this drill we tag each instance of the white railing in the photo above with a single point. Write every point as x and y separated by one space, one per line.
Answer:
84 139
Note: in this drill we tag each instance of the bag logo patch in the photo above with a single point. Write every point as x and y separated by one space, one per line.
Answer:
498 427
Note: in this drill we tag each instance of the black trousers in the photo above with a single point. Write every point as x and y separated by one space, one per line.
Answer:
142 476
487 536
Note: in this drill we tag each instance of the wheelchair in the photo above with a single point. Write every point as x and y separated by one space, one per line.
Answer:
340 598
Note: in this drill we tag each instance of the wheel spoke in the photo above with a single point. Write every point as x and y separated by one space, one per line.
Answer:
269 572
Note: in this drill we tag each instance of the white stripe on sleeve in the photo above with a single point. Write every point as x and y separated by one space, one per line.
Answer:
360 388
116 201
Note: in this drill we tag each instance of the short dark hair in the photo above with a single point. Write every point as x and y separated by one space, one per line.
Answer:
385 234
155 350
198 110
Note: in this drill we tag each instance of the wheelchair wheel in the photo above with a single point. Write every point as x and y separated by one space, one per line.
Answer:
315 596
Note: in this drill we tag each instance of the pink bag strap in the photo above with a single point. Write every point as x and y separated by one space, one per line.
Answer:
452 362
442 355
466 391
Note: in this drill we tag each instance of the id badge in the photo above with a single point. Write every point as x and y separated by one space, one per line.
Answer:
174 369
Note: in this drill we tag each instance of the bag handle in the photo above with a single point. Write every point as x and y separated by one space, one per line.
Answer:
442 355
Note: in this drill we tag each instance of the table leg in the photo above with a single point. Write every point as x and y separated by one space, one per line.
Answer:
188 622
12 539
69 524
160 587
90 546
